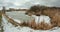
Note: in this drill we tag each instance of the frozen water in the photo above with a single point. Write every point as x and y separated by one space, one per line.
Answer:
20 16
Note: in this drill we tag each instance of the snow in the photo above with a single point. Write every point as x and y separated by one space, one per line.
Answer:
0 28
39 19
8 27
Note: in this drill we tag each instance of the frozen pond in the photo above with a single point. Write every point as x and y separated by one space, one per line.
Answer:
20 16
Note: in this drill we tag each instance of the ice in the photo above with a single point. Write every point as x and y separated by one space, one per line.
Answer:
20 16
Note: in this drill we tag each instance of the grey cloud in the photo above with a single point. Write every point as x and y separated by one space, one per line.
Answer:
29 3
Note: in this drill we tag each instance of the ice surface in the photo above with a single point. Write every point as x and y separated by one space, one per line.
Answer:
20 16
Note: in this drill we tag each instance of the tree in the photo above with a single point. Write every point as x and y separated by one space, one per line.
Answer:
35 8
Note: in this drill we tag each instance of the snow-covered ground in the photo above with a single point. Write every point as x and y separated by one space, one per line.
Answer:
8 27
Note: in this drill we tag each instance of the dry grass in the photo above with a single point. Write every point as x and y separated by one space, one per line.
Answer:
0 16
1 27
42 25
54 14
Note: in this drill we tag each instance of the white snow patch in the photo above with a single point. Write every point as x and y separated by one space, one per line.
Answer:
0 28
18 21
41 18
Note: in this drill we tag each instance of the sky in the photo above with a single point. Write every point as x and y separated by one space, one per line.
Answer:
28 3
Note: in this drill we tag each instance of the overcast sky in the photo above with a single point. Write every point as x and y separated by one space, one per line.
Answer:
28 3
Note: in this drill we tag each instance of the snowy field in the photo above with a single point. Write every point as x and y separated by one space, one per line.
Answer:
8 27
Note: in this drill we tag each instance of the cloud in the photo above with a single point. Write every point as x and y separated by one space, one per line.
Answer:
28 3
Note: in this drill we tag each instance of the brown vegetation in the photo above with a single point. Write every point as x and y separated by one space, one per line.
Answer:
0 16
1 27
52 12
42 25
